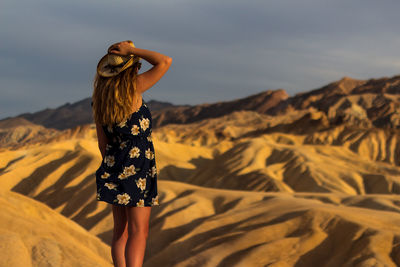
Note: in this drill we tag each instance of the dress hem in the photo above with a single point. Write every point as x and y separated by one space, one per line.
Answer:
122 205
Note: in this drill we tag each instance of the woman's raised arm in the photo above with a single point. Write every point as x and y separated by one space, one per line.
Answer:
160 62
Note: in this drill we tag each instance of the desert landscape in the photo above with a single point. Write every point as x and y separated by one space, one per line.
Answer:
266 180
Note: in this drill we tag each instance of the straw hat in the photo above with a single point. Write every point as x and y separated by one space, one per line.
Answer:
111 64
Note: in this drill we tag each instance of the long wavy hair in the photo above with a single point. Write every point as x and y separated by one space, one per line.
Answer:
113 97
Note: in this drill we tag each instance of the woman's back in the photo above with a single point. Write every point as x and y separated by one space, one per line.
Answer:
128 174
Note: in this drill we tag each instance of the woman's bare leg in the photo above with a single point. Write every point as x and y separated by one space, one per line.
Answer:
120 236
138 230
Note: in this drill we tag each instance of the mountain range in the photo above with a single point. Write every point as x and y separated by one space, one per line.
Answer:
266 180
361 103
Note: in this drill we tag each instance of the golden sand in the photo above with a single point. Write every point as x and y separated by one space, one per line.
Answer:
243 197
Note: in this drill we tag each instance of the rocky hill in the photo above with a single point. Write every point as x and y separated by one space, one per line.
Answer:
365 103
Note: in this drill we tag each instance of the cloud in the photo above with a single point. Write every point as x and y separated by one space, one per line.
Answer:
221 50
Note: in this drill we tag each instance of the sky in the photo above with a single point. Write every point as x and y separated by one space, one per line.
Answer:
221 49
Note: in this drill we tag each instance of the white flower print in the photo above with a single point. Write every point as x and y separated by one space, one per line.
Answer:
141 183
123 198
149 154
109 160
110 128
128 171
110 186
105 175
144 123
153 171
135 130
122 123
122 145
154 200
149 138
140 203
98 196
108 147
134 152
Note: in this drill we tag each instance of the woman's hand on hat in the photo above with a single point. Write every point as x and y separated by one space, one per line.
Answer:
123 48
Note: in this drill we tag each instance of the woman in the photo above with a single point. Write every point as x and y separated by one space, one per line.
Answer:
127 176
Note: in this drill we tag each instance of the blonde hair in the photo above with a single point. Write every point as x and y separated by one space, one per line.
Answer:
113 97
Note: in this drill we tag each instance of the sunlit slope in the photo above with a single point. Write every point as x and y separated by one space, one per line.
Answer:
199 226
17 131
32 234
219 227
340 159
318 211
246 157
294 128
283 153
60 174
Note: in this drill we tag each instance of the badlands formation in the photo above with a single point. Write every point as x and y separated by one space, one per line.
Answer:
308 180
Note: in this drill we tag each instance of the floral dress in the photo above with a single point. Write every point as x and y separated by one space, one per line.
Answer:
127 175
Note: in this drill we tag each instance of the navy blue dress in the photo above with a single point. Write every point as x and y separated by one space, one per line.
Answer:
127 175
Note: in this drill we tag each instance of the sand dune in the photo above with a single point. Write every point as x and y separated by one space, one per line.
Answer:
200 226
197 226
340 159
332 199
32 234
17 132
310 180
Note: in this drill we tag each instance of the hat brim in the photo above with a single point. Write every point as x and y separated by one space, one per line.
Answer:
105 71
